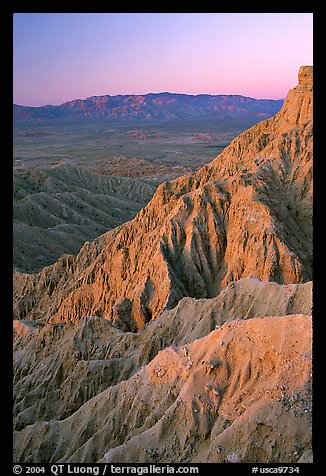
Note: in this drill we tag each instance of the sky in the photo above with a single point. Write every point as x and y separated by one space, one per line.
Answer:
58 57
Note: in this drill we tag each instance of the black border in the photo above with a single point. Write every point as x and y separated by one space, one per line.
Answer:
6 32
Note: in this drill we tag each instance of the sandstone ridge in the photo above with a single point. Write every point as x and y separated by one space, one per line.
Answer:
247 214
79 361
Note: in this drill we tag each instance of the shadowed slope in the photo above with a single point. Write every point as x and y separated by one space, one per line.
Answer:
57 209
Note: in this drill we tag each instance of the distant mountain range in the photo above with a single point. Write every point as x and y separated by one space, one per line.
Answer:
161 106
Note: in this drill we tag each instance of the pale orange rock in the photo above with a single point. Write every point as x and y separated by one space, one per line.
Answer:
59 366
247 214
254 406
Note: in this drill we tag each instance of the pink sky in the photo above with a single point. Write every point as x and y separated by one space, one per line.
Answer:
60 57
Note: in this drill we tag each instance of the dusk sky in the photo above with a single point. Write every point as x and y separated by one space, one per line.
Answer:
63 56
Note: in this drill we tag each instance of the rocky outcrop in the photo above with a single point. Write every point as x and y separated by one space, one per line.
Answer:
240 394
92 355
247 214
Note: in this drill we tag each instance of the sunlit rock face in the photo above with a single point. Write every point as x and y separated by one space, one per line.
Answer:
247 214
184 335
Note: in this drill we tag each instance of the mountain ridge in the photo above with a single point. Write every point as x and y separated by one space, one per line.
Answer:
152 106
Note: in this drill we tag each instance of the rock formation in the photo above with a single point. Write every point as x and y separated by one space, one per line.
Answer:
247 214
255 405
183 335
83 359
